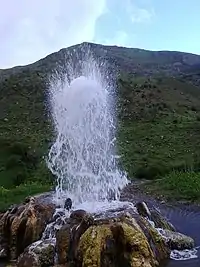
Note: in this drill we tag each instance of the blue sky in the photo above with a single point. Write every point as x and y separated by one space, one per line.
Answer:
161 25
33 29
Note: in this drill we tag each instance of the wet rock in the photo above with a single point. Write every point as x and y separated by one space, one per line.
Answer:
143 209
160 221
68 204
59 214
105 242
78 214
120 243
13 209
59 219
39 254
63 238
22 225
67 238
155 216
177 240
156 241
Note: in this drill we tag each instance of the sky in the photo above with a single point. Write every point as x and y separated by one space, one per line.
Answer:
32 29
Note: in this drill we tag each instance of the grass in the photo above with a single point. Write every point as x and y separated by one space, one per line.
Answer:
175 186
151 149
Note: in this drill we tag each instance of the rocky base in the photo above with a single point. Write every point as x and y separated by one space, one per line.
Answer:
22 225
131 236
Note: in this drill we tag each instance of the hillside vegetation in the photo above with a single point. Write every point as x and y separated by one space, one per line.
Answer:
158 112
24 135
159 126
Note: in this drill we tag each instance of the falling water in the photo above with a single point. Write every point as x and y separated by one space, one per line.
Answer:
83 157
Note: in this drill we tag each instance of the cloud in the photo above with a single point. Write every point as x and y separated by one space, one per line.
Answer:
141 16
30 30
139 13
120 24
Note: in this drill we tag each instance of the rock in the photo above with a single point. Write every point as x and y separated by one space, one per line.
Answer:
63 239
177 240
39 254
78 214
160 221
156 241
154 215
68 236
106 242
68 204
143 209
116 237
115 244
22 225
58 214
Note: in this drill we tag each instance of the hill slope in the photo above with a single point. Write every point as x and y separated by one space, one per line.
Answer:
160 126
132 60
158 110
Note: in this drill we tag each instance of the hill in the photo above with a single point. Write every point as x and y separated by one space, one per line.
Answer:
158 111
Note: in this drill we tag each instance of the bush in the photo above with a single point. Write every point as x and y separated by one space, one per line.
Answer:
19 163
149 172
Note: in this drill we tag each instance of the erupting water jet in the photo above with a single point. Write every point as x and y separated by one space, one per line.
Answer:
83 157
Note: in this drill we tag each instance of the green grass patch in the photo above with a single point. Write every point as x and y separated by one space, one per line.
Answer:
15 195
177 185
153 148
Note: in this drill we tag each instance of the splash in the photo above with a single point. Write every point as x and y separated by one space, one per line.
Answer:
83 157
177 255
183 255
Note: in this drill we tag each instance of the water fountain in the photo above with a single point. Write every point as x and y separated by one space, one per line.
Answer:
83 157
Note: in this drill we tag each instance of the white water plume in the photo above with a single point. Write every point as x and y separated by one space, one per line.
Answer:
83 155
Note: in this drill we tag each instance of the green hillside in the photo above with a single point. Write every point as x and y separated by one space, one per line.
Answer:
159 126
158 112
